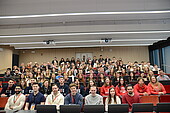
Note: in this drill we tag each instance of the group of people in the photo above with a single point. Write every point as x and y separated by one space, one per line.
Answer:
83 81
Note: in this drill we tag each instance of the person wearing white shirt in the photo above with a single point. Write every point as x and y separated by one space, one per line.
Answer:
55 98
16 101
112 98
93 98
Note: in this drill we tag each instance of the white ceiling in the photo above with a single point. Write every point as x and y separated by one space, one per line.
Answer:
133 25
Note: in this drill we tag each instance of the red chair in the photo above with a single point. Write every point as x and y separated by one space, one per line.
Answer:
164 98
167 88
150 99
3 101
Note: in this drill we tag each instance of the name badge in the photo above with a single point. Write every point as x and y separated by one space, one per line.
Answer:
22 91
8 91
30 91
32 107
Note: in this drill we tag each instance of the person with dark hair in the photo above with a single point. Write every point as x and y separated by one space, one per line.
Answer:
91 83
9 89
45 89
23 85
112 98
104 91
63 88
155 87
34 98
29 89
55 61
141 88
73 97
80 87
93 98
55 98
16 101
121 87
162 76
130 97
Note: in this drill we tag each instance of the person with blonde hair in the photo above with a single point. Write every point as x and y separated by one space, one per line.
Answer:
155 87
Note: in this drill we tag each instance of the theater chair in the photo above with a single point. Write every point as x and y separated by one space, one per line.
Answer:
142 107
164 98
163 107
118 108
150 99
3 101
93 108
70 108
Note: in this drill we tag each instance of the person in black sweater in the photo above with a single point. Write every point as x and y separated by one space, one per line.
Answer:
9 89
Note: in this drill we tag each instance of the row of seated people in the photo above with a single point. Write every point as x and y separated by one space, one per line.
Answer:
17 101
64 87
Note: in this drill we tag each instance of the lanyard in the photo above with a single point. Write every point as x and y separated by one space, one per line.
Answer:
54 98
16 98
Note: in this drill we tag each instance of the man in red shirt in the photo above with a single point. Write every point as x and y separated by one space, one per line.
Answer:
130 97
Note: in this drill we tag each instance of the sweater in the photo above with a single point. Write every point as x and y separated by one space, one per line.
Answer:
120 91
155 90
55 100
16 102
93 100
141 89
127 99
104 90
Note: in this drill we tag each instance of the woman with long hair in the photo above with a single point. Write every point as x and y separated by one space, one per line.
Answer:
104 90
90 84
156 87
112 98
121 87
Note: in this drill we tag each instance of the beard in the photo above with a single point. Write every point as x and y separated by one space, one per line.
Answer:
17 92
130 93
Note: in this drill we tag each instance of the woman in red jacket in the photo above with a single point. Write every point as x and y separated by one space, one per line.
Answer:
104 90
121 87
141 88
156 87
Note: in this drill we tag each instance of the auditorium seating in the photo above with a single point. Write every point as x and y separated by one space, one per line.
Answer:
163 107
164 98
142 107
70 109
118 108
167 88
150 99
3 101
94 108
